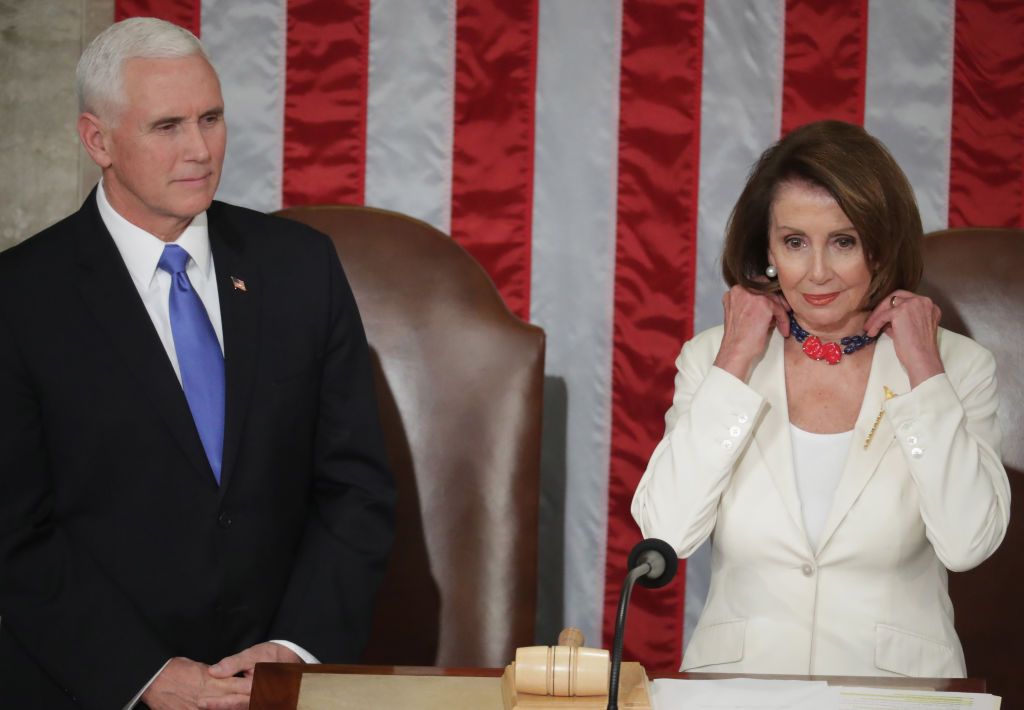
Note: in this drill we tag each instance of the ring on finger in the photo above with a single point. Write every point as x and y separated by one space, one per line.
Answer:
892 301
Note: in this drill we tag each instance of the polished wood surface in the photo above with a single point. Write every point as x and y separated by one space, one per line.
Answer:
276 685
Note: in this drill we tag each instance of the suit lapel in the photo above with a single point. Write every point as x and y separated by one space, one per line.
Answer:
110 295
861 461
772 435
238 287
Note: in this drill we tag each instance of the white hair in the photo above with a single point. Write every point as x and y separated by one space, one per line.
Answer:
99 82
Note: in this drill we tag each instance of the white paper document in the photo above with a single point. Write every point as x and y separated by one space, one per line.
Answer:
743 694
759 694
908 699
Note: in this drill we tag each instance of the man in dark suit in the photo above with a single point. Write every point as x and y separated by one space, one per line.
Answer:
191 466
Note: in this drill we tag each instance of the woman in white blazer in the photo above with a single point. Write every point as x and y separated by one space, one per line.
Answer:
838 446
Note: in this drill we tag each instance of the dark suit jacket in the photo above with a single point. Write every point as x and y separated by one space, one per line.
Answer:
117 548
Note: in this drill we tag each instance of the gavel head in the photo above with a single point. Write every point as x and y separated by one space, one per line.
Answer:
561 670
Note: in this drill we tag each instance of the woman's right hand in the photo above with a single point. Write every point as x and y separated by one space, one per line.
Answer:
749 320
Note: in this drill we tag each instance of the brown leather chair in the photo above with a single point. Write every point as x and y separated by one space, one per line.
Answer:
459 383
977 277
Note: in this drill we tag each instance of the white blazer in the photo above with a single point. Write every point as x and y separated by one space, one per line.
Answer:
927 494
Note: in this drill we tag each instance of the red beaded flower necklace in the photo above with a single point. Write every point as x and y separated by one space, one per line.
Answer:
830 352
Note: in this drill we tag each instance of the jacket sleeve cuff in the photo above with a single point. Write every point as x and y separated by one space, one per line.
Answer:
138 696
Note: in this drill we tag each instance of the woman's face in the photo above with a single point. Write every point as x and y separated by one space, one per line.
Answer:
820 259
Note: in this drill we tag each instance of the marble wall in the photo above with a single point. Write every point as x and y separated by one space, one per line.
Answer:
45 175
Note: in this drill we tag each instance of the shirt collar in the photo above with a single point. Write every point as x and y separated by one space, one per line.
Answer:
141 250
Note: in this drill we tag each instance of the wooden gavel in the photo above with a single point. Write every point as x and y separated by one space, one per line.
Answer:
564 670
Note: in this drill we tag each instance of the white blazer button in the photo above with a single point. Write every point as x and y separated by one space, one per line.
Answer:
911 440
735 431
742 419
917 452
726 444
808 570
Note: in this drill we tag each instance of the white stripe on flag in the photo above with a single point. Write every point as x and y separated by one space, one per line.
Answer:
741 106
909 94
246 42
410 105
576 154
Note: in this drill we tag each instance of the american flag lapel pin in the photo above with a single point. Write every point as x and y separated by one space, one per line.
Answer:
238 284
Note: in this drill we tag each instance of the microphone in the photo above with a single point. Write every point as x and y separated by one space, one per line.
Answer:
652 564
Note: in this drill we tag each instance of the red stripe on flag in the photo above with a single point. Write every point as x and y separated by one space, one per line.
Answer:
184 13
325 102
492 151
825 60
655 276
986 163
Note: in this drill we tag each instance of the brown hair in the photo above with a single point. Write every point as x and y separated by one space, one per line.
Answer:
865 181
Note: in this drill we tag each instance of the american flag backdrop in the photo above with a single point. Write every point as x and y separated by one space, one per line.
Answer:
587 153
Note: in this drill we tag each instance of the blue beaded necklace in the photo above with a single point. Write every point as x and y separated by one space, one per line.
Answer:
831 353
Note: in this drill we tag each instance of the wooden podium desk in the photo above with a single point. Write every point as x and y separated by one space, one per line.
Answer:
276 685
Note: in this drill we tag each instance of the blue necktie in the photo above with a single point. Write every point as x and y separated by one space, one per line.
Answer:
199 358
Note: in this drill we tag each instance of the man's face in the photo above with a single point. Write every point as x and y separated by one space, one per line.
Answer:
166 144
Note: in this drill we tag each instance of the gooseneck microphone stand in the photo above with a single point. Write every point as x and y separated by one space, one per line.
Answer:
620 629
653 564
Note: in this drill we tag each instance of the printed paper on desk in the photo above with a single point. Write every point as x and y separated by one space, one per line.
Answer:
743 694
908 699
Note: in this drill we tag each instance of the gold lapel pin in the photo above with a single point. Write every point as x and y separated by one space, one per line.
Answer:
238 283
889 394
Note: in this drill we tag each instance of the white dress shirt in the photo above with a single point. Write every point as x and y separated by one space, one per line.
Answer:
141 252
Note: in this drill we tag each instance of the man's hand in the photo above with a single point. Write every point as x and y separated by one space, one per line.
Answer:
243 663
186 685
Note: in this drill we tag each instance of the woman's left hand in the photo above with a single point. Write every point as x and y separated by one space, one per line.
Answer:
912 321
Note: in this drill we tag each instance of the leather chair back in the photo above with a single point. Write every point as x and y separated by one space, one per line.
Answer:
976 276
459 384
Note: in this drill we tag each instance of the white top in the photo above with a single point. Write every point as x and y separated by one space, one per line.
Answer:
818 460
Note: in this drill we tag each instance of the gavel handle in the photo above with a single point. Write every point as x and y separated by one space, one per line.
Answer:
571 636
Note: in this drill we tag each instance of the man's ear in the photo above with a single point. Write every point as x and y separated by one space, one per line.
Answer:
92 133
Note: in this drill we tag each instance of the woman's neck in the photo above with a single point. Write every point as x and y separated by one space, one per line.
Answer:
853 324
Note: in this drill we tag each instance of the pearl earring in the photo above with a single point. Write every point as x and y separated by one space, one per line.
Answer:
770 271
